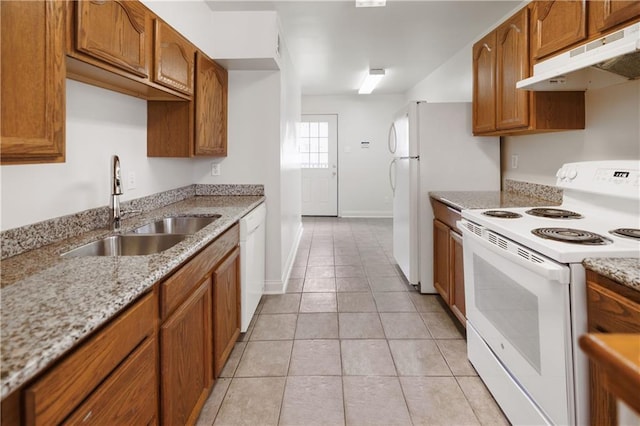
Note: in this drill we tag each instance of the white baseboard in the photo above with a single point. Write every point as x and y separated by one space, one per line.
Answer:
367 213
280 286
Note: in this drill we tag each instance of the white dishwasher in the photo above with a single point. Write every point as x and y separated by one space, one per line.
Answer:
252 262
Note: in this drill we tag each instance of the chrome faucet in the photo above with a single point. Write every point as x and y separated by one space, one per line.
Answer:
116 191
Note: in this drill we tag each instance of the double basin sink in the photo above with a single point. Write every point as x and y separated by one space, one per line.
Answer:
151 238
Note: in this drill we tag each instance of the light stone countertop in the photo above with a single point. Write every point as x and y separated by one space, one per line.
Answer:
46 309
625 271
461 200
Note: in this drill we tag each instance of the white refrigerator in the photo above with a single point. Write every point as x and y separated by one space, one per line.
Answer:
433 150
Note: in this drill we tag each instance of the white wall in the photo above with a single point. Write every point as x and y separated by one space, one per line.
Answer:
290 174
363 178
263 109
612 132
192 18
100 123
253 155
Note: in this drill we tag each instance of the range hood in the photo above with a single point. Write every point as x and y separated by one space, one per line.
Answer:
609 60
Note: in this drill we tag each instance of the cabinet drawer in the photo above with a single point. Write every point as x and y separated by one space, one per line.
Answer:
128 396
55 395
446 214
610 312
177 288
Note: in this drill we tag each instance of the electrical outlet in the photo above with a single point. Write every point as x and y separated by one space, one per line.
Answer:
131 180
514 161
215 169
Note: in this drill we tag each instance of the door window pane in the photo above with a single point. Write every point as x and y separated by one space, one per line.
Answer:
313 144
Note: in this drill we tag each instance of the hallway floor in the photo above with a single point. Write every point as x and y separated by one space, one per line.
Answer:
349 343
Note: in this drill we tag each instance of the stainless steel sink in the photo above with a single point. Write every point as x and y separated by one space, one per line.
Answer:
127 245
177 225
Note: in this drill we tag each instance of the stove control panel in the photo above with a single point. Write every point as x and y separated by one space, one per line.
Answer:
618 178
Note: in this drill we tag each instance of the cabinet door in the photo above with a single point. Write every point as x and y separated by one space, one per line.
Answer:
174 59
512 63
457 277
484 84
226 309
441 260
607 14
557 24
211 108
185 358
32 82
115 32
129 396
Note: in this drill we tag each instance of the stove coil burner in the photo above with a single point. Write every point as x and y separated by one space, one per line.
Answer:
632 233
554 213
502 214
574 236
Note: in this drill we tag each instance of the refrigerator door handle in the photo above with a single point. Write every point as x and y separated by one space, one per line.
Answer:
392 135
391 176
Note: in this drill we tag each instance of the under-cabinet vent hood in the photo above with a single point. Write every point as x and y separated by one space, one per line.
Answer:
609 60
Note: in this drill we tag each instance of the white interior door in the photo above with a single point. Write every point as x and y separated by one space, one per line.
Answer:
318 148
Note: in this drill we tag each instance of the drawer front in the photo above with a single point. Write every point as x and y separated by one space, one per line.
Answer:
177 288
611 312
55 395
446 214
129 396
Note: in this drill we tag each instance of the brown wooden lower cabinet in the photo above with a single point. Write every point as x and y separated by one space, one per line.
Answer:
456 270
226 309
611 308
441 265
185 358
129 396
448 271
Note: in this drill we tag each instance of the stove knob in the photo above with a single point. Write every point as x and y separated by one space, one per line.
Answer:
559 173
572 174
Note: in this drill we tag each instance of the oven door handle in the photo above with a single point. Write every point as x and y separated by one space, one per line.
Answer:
516 253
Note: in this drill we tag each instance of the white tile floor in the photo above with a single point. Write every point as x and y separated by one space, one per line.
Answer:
349 343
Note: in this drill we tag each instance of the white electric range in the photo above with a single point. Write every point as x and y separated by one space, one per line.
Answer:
525 288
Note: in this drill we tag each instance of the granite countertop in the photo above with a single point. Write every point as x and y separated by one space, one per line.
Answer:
461 200
46 309
625 271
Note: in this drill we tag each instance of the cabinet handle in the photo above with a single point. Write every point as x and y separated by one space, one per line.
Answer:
486 46
515 27
86 418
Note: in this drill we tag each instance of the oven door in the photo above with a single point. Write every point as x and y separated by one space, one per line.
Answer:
518 303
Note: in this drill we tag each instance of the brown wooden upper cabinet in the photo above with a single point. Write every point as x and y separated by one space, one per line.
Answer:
557 24
512 65
507 110
198 128
606 15
32 82
211 108
110 44
484 84
174 59
116 32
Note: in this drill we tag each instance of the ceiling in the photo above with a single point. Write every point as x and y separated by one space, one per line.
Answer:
333 44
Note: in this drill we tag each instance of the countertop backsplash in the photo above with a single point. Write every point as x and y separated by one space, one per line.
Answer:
30 237
536 190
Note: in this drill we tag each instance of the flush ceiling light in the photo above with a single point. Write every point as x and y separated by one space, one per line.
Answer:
371 3
371 81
